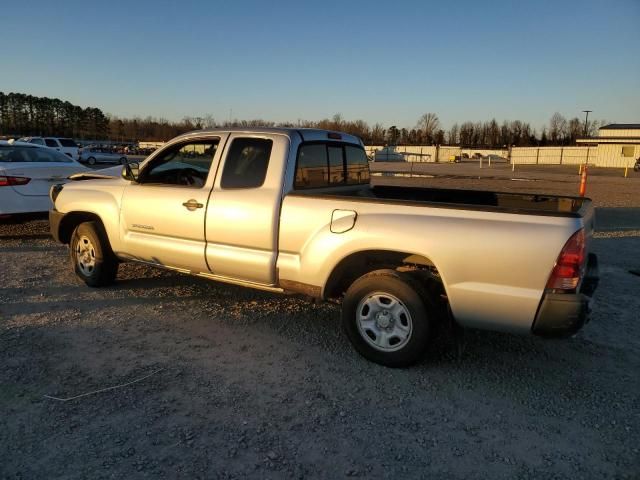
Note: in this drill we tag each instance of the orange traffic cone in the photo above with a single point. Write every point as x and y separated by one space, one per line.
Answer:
583 182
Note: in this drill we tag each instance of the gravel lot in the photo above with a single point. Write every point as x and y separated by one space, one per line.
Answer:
246 384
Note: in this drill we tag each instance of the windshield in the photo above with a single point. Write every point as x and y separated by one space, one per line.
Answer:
67 142
19 153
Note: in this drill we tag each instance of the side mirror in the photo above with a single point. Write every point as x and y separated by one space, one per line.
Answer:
130 171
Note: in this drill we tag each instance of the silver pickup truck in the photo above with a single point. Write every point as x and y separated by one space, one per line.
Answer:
292 210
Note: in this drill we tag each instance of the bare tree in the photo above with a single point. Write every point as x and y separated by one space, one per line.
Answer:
466 134
453 134
209 121
377 134
493 133
593 126
557 128
429 123
575 129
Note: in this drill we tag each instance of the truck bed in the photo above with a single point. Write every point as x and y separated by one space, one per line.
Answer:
517 203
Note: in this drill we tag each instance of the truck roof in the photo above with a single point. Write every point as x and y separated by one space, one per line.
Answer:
306 134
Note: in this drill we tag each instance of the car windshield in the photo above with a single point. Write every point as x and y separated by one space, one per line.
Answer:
67 142
18 153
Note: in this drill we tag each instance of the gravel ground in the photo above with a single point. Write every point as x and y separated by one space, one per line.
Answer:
245 384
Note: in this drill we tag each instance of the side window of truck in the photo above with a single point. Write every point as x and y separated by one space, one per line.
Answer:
357 165
184 164
312 170
325 165
246 163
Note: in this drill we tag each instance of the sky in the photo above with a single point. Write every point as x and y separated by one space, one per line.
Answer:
386 62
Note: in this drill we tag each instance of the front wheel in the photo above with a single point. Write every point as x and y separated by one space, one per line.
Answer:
123 161
91 256
91 161
385 318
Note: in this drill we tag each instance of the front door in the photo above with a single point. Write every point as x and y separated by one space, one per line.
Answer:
162 219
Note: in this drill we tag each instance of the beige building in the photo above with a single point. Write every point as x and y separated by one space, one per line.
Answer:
618 145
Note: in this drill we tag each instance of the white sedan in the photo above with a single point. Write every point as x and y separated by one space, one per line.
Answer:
27 172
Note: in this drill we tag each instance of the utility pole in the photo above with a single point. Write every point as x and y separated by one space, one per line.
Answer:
586 119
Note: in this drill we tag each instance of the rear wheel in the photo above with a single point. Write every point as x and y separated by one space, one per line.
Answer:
123 161
91 256
91 161
385 318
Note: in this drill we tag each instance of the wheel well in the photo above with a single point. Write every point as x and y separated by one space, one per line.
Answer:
357 264
71 221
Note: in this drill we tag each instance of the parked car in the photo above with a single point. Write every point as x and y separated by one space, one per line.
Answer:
291 210
27 171
68 146
93 155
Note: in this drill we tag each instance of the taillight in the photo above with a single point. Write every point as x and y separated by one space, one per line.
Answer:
6 181
569 267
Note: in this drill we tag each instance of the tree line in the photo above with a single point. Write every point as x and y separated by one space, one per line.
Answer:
28 115
428 130
23 115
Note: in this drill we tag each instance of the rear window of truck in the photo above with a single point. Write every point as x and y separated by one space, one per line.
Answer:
330 164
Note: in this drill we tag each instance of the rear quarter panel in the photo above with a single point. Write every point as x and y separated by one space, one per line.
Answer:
494 266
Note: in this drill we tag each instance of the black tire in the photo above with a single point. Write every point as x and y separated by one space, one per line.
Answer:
91 256
123 160
91 161
373 287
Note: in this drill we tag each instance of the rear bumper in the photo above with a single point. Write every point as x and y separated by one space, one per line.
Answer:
55 217
562 314
13 203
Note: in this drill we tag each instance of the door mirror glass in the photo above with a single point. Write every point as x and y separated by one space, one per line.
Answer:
130 171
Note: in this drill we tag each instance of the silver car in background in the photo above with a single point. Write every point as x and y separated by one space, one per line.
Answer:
93 155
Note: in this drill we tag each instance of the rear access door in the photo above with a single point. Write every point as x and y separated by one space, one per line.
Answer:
244 208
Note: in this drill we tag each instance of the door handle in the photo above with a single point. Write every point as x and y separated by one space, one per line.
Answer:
192 205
